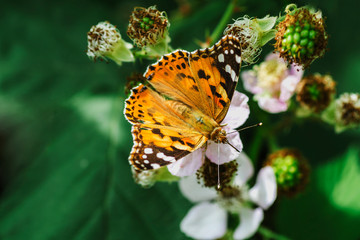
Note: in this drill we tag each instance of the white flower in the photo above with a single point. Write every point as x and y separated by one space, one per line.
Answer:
272 83
237 114
104 41
208 218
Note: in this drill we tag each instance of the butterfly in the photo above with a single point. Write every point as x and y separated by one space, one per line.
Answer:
180 108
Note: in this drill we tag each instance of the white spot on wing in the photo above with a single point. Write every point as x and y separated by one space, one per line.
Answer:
232 73
160 155
148 151
237 59
228 68
168 158
233 76
155 165
221 57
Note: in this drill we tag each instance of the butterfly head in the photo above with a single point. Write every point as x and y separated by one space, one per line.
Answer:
218 135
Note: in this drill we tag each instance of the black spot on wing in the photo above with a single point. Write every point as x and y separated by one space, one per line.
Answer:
202 74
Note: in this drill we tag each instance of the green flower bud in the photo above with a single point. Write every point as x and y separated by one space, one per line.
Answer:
291 170
304 28
148 28
315 92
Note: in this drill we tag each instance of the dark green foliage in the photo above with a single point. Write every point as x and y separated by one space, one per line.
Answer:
64 142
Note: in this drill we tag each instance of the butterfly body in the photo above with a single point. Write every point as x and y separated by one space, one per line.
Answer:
183 104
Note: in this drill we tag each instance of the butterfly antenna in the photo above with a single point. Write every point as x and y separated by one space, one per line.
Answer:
227 141
247 127
241 129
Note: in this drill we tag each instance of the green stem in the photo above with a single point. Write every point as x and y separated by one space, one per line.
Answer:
256 145
224 20
272 142
268 234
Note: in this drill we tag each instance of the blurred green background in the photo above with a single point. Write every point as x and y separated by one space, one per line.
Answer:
64 142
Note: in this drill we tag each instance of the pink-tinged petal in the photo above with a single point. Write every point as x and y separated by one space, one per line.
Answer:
224 151
287 88
265 190
272 105
250 220
205 221
296 71
245 170
194 191
250 82
272 56
187 165
238 111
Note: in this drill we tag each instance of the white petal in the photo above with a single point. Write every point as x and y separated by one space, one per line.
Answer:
272 105
296 71
250 220
265 190
205 221
226 152
187 165
287 88
194 191
245 170
238 111
250 82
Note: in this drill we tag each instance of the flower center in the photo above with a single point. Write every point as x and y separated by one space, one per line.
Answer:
270 74
209 173
232 198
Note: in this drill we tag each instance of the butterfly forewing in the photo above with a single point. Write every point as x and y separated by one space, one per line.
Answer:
217 71
171 76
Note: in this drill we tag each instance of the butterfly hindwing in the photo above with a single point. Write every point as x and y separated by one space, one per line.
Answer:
161 130
156 147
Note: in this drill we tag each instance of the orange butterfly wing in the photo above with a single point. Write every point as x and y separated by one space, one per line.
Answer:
161 129
189 95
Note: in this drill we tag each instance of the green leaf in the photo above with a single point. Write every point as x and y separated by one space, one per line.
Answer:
64 142
330 208
340 180
266 23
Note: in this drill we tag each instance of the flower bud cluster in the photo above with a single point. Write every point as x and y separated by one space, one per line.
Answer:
104 41
301 37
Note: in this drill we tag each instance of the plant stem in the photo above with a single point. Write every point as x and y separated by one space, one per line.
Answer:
224 20
268 234
256 145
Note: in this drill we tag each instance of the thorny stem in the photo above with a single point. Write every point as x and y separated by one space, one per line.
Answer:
224 20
